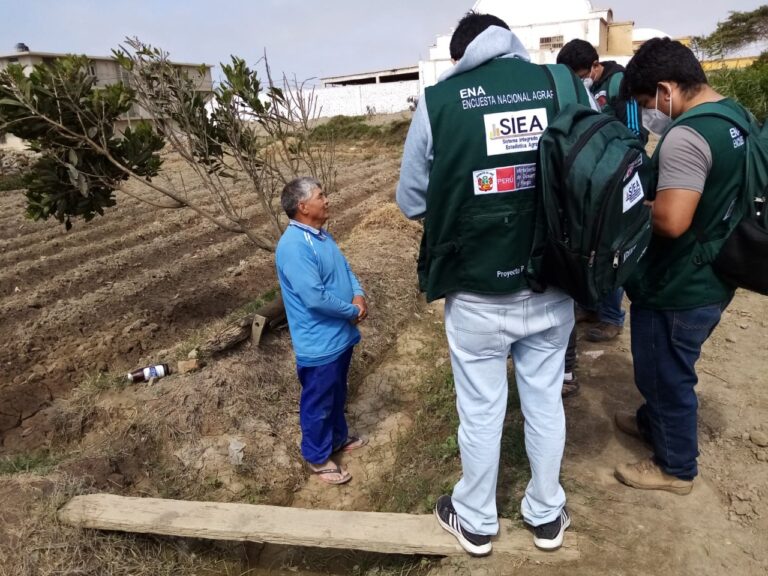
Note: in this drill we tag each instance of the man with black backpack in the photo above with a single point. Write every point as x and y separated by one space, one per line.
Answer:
603 80
677 298
469 170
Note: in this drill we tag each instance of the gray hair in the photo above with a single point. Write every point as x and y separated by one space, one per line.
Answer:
297 190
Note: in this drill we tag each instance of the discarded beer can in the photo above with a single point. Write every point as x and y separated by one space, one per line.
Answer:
148 372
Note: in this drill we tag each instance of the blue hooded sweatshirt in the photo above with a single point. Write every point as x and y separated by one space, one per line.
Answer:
317 286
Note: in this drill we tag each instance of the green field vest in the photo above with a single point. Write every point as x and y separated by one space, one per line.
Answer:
479 223
676 273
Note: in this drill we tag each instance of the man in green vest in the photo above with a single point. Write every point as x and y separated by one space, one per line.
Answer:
469 171
603 80
677 298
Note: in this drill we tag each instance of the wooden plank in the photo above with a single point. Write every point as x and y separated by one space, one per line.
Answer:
370 531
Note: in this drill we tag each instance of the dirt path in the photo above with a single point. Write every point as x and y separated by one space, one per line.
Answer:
720 528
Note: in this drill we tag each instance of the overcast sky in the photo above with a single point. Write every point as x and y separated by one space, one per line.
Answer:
308 38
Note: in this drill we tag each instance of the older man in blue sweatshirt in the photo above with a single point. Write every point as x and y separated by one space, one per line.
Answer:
324 302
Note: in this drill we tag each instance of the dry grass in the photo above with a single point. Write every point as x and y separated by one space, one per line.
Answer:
39 545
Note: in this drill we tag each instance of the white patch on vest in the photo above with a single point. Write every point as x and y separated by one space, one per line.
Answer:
512 132
504 179
633 192
738 139
471 92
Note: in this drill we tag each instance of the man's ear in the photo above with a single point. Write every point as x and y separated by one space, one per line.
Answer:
665 90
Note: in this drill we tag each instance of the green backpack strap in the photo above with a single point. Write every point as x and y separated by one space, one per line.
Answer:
742 120
614 85
563 81
746 123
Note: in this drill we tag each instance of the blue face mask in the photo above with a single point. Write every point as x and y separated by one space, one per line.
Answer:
654 119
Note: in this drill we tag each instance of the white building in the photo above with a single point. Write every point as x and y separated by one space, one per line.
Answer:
105 70
543 26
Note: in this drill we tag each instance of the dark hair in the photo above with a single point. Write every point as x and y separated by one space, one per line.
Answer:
297 190
470 28
662 60
577 55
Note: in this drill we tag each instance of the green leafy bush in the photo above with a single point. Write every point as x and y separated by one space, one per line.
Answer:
345 128
357 128
749 86
62 115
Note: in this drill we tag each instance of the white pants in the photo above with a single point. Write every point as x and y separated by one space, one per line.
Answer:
481 331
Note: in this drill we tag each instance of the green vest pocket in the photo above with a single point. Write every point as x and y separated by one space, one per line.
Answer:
494 248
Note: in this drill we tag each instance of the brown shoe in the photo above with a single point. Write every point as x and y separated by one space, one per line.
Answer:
603 331
627 423
570 387
646 475
584 315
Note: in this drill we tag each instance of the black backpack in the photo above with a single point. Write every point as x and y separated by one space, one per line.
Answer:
592 223
740 256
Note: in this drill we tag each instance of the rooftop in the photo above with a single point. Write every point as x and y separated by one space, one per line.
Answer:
11 55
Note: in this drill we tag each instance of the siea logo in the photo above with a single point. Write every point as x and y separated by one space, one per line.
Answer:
633 193
516 131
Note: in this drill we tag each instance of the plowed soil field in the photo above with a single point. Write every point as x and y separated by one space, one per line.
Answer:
139 278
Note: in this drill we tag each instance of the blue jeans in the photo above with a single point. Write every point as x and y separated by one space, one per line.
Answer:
665 347
321 407
609 310
481 331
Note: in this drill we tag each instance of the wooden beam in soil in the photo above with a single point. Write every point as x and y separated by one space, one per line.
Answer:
370 531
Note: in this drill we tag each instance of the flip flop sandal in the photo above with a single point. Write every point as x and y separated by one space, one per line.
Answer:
351 443
345 476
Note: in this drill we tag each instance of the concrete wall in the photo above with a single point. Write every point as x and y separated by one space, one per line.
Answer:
620 39
358 100
430 71
586 29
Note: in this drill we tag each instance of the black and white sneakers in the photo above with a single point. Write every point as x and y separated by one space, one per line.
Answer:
549 536
475 544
